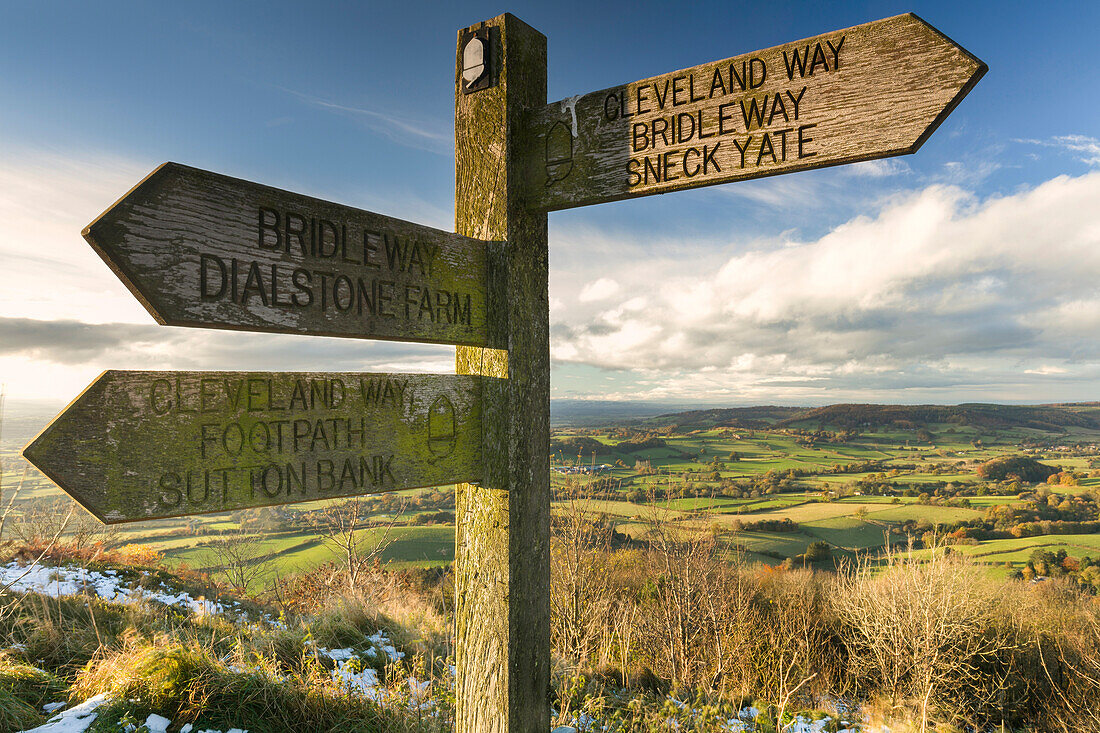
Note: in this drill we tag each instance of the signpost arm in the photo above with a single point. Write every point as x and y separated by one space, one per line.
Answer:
502 567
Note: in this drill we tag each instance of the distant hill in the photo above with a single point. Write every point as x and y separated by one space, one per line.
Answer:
1039 417
728 417
1050 417
593 413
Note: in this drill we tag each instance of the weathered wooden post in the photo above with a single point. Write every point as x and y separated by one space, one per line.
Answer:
502 561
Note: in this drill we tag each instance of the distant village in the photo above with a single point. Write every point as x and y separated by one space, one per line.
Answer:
593 469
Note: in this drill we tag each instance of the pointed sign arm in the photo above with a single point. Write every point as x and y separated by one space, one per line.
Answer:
146 445
862 93
205 250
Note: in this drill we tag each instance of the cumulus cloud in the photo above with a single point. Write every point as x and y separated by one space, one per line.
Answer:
938 295
601 289
938 289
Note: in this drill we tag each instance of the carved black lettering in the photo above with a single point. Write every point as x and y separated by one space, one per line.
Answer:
803 140
170 494
611 107
254 282
836 52
754 112
703 135
742 78
303 297
365 296
742 148
691 89
681 136
370 249
269 224
709 159
723 118
795 100
667 166
663 123
778 108
206 291
327 246
295 228
691 172
661 98
677 90
343 305
765 149
819 60
795 61
717 82
755 64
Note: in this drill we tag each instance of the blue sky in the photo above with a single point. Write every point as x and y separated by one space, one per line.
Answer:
966 272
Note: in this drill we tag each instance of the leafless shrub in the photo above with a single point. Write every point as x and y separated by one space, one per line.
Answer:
341 526
44 542
795 650
702 611
240 561
1070 660
581 601
921 631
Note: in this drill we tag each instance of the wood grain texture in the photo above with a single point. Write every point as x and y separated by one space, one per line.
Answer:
502 567
203 249
144 445
879 90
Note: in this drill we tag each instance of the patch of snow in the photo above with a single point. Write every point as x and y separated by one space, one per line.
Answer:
76 719
157 723
67 581
381 641
363 681
53 707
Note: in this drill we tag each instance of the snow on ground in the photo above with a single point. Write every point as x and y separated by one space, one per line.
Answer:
354 671
74 720
67 581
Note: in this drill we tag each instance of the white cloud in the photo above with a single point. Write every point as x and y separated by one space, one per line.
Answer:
420 135
601 289
1087 148
936 296
937 291
46 200
878 168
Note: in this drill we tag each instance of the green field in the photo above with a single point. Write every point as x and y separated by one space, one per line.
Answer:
853 491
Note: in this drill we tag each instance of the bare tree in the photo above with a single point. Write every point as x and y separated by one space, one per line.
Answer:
241 561
341 526
6 599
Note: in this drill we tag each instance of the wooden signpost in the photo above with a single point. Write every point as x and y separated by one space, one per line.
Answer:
872 91
201 249
146 445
